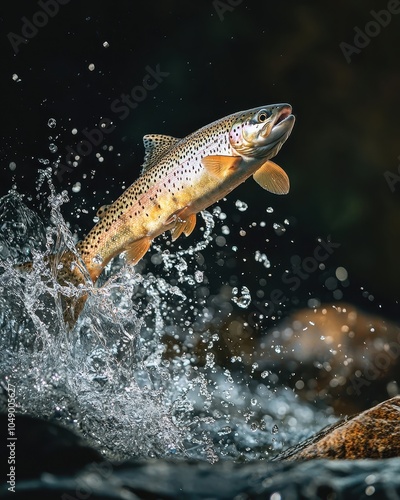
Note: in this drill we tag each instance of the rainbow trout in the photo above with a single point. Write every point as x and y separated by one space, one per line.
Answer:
180 177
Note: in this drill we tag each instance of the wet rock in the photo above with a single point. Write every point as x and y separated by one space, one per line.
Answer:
52 462
65 467
336 355
374 433
44 446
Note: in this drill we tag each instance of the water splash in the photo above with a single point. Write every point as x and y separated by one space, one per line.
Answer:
139 376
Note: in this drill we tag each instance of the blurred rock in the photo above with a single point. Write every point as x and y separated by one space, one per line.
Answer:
44 446
374 433
336 355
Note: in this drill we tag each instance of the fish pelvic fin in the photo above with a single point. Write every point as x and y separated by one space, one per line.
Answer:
272 178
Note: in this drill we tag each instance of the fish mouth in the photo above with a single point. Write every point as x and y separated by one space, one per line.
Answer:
280 127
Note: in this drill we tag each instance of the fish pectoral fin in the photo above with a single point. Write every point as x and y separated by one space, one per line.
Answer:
102 211
156 145
273 178
183 226
219 166
136 250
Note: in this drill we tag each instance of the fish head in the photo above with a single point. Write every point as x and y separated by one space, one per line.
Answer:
261 132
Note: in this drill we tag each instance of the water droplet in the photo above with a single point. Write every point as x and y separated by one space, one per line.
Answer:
12 166
53 148
331 283
279 228
52 123
97 259
341 274
198 276
91 67
275 496
244 299
76 187
261 257
74 131
106 45
241 205
275 429
270 210
220 241
225 430
338 295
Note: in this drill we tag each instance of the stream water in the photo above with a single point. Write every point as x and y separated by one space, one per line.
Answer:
138 377
127 377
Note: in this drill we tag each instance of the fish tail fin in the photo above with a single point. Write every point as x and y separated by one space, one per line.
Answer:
67 271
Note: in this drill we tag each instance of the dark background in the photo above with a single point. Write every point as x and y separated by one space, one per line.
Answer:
255 53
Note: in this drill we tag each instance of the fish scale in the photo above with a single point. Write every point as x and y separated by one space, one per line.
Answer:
180 177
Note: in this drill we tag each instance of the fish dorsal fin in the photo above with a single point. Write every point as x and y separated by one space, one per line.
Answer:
273 178
219 165
136 250
156 145
101 212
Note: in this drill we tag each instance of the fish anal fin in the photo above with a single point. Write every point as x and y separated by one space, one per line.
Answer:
273 178
102 211
183 226
156 145
190 225
136 250
219 165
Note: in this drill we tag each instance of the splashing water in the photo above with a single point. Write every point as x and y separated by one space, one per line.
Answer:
129 377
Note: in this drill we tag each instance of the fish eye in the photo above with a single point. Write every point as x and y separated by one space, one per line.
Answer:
263 116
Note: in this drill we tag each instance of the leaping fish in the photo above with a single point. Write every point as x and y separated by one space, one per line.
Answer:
179 178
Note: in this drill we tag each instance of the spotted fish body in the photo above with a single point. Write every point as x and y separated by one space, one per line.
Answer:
181 177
